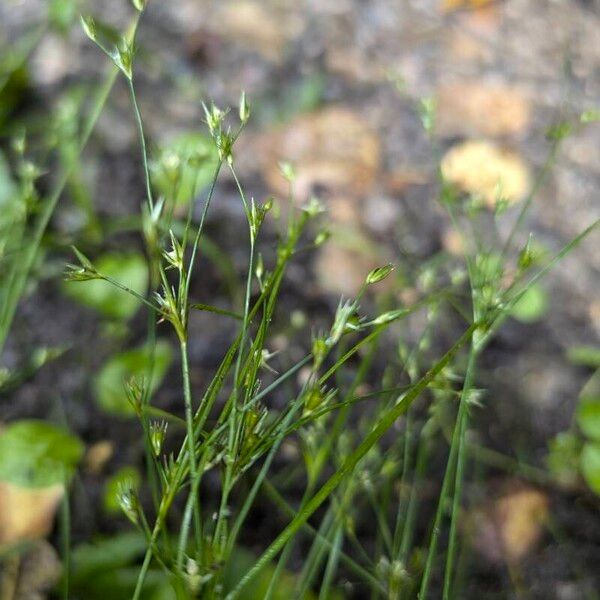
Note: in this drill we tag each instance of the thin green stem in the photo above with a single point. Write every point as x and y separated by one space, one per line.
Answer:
189 421
140 125
23 266
66 543
381 426
546 168
234 425
444 493
460 466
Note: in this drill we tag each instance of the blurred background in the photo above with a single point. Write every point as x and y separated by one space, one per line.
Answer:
343 90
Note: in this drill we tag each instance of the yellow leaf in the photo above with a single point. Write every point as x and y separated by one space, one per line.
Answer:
27 513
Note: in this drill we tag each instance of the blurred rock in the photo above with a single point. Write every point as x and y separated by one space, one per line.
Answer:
510 528
257 27
333 149
52 60
473 109
39 572
483 169
27 513
341 270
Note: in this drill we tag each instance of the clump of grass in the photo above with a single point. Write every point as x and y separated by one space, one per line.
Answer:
230 430
361 453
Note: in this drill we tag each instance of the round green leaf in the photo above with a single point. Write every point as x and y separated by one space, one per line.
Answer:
532 305
563 458
590 466
37 454
128 269
109 384
184 167
588 416
587 356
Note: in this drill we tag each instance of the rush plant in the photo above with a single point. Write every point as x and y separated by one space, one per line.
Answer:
363 452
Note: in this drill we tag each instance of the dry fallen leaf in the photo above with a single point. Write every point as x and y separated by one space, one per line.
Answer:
27 513
473 109
450 5
98 455
483 169
512 526
333 149
479 17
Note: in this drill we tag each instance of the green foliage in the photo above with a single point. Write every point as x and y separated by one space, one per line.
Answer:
563 458
127 475
184 167
590 116
106 569
129 269
590 465
242 560
62 13
571 454
109 384
532 306
7 185
588 356
356 460
37 454
588 416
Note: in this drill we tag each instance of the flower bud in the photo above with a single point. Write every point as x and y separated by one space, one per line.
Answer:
128 501
158 430
244 108
89 27
378 274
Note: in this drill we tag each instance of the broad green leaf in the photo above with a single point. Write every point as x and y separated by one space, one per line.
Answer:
37 454
61 14
588 410
108 568
241 560
590 116
563 458
128 269
184 167
590 466
532 306
588 356
109 384
112 487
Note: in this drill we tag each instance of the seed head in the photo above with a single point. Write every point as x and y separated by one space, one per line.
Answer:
89 27
244 108
158 431
128 501
378 274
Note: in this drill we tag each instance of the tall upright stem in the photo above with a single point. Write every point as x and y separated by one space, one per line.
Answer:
189 423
